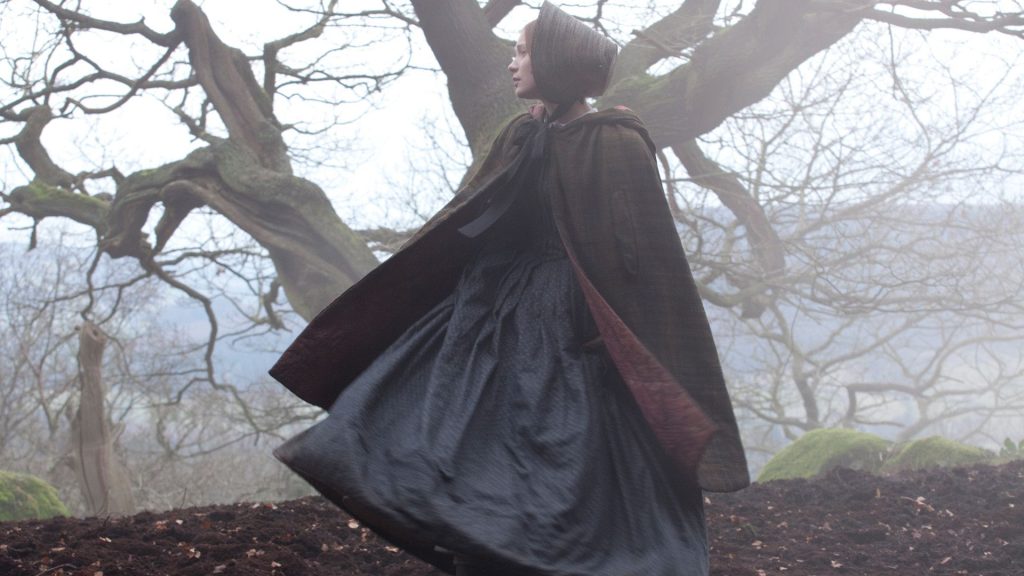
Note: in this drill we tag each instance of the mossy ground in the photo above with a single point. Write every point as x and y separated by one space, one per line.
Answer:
819 451
25 497
933 452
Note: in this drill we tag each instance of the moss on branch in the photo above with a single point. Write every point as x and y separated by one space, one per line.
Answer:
41 200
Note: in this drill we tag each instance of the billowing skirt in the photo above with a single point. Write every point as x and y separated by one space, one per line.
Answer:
490 431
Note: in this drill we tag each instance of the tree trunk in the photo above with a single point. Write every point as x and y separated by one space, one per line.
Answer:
475 62
103 479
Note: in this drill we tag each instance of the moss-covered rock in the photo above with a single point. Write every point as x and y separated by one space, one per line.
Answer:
819 451
933 452
25 497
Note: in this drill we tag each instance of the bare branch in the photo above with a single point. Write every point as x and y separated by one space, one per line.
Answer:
139 27
135 85
666 38
271 49
763 240
955 15
31 150
496 10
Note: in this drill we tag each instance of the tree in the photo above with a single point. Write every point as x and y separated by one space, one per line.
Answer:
690 70
180 449
901 232
102 476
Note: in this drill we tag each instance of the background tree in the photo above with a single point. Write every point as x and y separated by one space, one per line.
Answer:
895 311
180 448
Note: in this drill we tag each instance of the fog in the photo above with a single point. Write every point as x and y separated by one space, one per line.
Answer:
856 227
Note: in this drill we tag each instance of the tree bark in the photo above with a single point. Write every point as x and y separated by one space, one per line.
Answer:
734 68
475 61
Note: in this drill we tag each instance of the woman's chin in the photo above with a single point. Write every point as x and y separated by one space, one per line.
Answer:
526 94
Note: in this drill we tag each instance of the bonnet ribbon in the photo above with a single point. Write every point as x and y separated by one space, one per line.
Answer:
524 173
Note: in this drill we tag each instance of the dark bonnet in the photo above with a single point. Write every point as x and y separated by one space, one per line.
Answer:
570 60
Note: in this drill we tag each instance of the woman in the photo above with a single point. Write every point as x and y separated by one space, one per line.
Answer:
529 385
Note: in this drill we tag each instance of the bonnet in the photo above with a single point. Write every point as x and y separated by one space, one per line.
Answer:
571 61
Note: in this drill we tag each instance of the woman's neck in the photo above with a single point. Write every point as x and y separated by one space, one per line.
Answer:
577 109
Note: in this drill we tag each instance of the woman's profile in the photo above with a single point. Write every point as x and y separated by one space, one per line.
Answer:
529 386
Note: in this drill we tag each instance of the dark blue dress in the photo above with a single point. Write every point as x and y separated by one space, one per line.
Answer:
491 430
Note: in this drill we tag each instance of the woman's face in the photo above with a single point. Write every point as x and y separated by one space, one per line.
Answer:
522 71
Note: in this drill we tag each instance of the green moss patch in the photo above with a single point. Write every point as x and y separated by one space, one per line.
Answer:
819 451
25 497
934 452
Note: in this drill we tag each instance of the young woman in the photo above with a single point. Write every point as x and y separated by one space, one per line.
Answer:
529 386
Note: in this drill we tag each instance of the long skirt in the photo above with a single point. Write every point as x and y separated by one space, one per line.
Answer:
491 430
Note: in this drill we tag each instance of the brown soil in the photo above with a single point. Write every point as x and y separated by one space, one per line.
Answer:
962 521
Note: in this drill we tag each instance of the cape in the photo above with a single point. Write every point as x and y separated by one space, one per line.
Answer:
613 218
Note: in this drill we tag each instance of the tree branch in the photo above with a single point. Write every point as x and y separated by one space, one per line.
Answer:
30 148
271 49
763 239
133 85
139 27
733 69
666 38
40 200
225 75
956 17
496 10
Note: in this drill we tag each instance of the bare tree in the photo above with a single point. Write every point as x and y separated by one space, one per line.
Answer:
179 449
896 309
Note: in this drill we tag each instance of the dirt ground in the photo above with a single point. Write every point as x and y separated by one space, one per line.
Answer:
963 521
